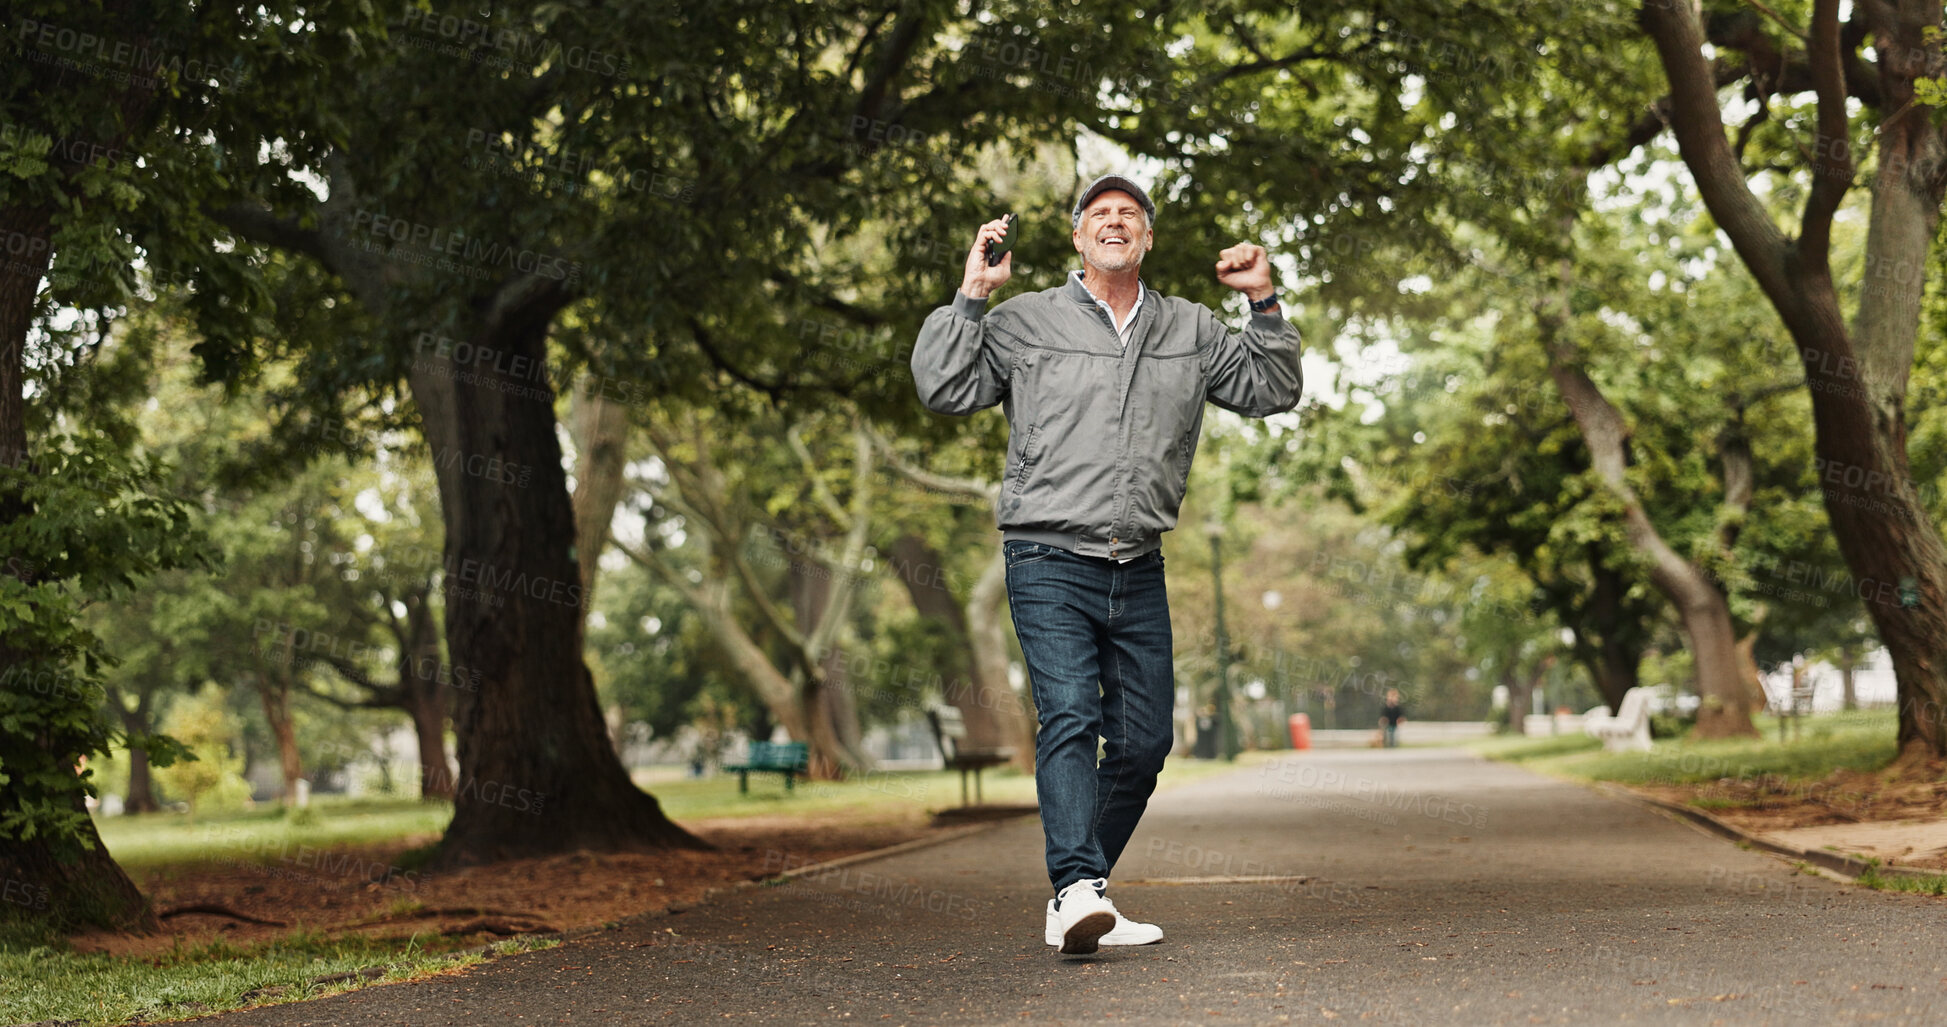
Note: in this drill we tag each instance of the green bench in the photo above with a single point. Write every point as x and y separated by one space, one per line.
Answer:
787 758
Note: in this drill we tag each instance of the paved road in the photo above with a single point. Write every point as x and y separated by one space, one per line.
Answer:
1403 886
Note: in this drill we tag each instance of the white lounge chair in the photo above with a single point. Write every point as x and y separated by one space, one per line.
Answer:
1628 730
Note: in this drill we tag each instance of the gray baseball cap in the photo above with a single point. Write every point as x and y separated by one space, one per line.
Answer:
1106 183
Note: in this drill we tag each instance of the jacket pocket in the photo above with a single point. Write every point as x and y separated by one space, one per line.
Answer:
1030 451
1186 445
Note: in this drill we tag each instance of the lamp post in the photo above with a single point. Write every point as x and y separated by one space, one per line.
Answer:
1226 730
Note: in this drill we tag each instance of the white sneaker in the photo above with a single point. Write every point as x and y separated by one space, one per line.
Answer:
1082 919
1127 931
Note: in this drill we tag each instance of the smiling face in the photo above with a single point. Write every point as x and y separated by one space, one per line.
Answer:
1114 232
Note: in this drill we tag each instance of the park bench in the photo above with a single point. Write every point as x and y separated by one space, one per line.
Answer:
787 758
1628 729
950 733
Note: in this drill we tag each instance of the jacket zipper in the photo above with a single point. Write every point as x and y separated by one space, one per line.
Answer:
1125 471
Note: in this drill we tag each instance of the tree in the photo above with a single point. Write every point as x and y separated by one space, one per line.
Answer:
388 611
601 186
1857 373
977 682
169 86
718 491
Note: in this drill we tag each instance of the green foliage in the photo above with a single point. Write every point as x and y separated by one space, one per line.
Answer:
1932 91
212 779
95 527
652 656
908 660
1671 724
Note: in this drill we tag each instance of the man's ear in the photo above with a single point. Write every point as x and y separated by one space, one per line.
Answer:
1076 238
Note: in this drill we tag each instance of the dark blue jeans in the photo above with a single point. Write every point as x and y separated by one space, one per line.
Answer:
1096 635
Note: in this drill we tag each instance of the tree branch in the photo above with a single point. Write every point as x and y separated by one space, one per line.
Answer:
820 492
971 488
259 225
846 585
1832 156
711 511
907 33
381 697
1699 127
1776 17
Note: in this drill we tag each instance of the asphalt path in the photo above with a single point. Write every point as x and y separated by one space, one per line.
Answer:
1365 886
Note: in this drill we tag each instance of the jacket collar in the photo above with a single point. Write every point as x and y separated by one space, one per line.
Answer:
1075 290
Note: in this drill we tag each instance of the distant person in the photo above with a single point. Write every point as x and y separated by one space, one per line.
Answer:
1389 717
1103 381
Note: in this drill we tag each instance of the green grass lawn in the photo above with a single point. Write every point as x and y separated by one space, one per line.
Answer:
1833 741
155 840
877 795
44 984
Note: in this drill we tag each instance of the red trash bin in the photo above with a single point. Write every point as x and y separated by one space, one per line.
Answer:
1301 731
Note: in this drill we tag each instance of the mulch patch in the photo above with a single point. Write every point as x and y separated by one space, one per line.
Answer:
1772 803
360 889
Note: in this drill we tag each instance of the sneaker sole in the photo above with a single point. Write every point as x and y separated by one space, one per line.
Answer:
1054 941
1081 938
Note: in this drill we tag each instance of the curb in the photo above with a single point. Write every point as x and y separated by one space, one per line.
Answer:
1825 859
949 835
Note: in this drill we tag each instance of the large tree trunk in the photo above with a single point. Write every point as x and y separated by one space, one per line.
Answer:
68 883
1705 616
537 774
62 887
1857 376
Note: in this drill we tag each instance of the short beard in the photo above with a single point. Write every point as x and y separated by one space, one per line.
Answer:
1131 257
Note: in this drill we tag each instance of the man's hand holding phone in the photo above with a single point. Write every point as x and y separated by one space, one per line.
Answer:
983 277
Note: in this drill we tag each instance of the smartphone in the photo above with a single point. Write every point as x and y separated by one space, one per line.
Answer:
997 250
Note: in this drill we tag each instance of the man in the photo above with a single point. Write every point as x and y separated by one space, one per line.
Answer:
1390 715
1103 381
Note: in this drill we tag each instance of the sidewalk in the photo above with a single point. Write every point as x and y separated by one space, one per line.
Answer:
1383 886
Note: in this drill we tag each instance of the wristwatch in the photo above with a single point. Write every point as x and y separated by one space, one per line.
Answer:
1260 306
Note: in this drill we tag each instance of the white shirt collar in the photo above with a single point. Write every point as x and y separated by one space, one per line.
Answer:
1122 329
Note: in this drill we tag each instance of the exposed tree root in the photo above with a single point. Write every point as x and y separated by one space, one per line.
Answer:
215 910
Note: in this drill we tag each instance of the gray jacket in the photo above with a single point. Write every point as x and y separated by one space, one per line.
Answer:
1100 439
